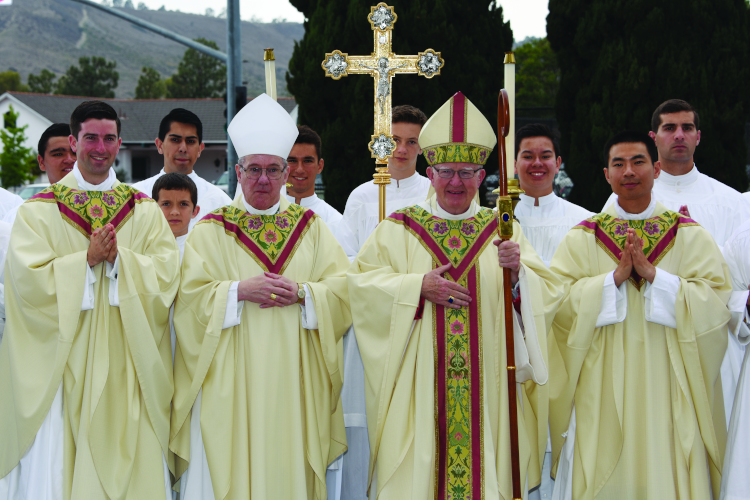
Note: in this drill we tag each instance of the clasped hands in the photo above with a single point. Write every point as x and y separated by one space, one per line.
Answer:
259 288
632 257
439 290
102 246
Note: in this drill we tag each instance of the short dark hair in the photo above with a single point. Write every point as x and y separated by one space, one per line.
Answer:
538 130
97 110
180 115
309 136
408 114
673 106
630 136
54 130
175 182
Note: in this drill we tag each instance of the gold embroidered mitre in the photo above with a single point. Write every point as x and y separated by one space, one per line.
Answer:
457 133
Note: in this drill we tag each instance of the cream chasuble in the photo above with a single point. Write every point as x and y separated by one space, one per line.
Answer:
648 404
269 387
436 385
107 368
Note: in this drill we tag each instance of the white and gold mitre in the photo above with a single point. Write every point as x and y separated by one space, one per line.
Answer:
263 127
457 133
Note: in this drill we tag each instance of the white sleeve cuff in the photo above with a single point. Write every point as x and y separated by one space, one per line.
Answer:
661 296
614 306
112 272
233 312
88 290
308 316
738 309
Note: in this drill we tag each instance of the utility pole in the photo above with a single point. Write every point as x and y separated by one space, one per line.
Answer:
234 80
233 60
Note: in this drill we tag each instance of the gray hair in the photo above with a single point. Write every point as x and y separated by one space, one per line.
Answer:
242 160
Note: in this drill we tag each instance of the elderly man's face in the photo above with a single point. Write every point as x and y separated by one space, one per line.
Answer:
260 191
455 194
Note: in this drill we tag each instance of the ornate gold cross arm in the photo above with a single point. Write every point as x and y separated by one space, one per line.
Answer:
382 64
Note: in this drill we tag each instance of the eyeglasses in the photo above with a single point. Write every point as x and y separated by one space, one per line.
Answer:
448 173
273 173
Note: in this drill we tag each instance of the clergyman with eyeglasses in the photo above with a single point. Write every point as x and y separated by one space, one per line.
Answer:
262 304
425 293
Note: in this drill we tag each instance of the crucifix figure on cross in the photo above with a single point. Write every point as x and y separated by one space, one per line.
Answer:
382 64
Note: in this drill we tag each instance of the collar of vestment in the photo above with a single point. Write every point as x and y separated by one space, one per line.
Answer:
456 242
88 210
257 211
682 180
270 239
658 233
622 214
304 202
406 183
543 200
83 185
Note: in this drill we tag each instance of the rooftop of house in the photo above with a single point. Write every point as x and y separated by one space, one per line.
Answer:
140 118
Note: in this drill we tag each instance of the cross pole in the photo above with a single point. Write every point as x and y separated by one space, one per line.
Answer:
382 64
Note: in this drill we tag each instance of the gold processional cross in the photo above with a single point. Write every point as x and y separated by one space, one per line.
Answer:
382 65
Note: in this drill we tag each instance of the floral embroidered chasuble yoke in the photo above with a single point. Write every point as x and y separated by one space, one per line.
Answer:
270 240
88 211
658 234
457 336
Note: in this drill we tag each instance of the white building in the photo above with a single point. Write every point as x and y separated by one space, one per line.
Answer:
138 158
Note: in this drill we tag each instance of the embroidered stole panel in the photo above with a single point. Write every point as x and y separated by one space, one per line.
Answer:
457 340
271 240
658 235
88 211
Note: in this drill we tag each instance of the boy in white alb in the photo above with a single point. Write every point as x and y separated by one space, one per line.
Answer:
177 196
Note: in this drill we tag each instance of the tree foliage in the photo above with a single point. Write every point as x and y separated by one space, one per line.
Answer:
16 161
93 77
150 85
537 74
198 75
43 83
11 80
471 36
620 60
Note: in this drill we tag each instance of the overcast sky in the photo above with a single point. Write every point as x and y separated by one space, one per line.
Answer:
528 17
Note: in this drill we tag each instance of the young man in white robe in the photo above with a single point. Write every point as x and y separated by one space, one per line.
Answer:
180 141
545 218
675 128
735 481
305 162
348 476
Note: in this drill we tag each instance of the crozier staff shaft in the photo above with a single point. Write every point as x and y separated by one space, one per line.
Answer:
505 232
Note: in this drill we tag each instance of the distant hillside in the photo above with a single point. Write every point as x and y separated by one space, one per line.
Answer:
53 34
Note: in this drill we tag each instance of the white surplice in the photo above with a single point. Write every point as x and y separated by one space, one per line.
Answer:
660 299
330 215
735 480
9 204
347 477
721 210
545 225
39 474
210 197
5 229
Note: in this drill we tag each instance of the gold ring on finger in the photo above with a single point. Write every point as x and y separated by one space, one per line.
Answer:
451 299
273 296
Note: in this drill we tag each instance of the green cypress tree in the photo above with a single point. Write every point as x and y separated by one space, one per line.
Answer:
471 36
620 60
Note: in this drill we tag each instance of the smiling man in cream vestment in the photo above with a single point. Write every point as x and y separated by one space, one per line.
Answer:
85 365
262 305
